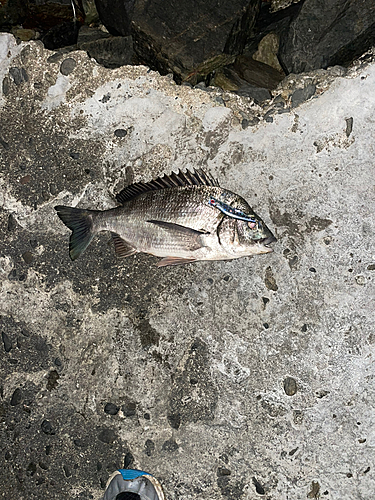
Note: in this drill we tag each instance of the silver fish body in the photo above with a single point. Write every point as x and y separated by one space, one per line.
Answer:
173 217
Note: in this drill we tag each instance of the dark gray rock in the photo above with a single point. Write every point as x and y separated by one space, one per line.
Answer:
290 386
19 75
181 39
111 409
116 15
61 35
68 66
257 73
47 428
327 33
259 95
16 397
111 52
149 447
301 95
8 344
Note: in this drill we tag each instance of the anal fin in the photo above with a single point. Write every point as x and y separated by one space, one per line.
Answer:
174 261
122 248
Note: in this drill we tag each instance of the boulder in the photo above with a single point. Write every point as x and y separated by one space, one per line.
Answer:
181 38
326 33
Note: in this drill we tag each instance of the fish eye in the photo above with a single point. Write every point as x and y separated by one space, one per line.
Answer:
252 225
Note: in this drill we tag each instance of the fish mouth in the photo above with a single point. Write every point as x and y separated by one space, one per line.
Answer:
267 241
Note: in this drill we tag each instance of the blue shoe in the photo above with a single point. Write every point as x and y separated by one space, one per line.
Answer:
131 484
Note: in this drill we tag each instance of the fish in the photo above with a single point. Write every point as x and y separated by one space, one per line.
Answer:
183 217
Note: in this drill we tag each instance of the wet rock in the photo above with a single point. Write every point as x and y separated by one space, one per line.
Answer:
68 66
19 75
62 35
6 341
290 386
301 95
129 408
321 37
28 257
257 73
12 223
16 397
111 409
46 427
111 52
149 447
120 132
190 46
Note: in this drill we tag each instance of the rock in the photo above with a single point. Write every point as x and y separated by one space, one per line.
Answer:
149 447
47 427
120 132
116 15
301 95
12 223
111 409
67 66
282 4
107 436
260 95
190 46
170 445
28 257
16 397
8 344
321 37
19 75
257 73
62 35
268 49
270 281
290 386
111 51
129 408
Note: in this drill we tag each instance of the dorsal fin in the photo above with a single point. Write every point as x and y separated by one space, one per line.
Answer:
195 178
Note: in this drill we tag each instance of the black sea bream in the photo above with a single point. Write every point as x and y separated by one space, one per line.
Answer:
182 217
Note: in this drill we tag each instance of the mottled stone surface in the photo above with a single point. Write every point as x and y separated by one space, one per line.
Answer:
227 380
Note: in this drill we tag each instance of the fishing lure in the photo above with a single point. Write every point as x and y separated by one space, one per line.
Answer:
235 213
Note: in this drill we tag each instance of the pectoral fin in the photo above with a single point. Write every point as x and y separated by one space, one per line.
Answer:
173 261
122 248
190 239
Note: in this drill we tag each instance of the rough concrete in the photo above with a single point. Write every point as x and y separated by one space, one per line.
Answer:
232 380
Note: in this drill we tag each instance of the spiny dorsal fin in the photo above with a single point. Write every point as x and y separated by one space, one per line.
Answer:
195 178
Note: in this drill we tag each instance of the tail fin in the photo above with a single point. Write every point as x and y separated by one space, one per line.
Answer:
79 221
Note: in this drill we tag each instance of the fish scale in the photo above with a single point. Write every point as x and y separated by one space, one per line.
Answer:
177 222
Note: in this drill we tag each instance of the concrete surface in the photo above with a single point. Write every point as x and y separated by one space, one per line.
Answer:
233 380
